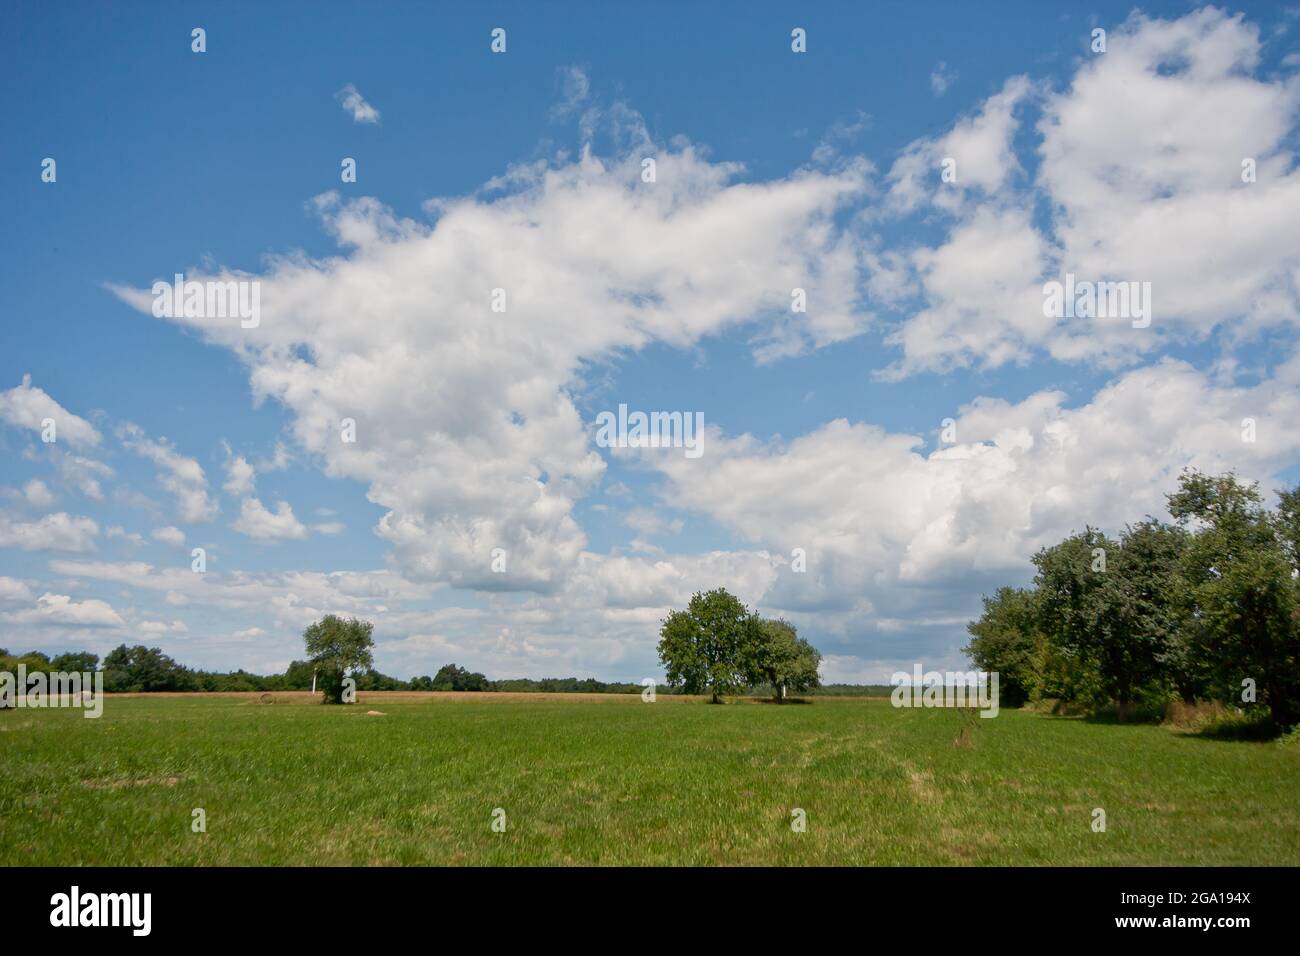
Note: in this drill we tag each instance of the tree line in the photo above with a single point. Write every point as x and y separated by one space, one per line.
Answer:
141 669
1203 608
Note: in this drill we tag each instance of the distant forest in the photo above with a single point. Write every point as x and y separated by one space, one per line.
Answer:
143 669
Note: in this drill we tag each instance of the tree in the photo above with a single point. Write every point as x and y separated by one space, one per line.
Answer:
337 648
1005 640
1240 588
706 647
1111 604
452 677
781 658
75 661
298 676
1154 616
1288 524
141 669
1071 600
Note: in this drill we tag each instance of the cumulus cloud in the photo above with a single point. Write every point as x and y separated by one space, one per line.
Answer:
356 106
181 476
27 406
1158 209
37 494
1122 203
240 475
54 532
468 434
891 530
465 428
287 600
84 474
160 628
12 589
169 535
256 521
132 538
980 147
61 609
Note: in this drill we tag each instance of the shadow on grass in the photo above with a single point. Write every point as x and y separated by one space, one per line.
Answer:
778 703
1199 721
1256 731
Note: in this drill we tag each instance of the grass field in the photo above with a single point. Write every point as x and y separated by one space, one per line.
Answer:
612 780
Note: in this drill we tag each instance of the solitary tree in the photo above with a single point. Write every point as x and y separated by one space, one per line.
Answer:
706 647
338 648
783 659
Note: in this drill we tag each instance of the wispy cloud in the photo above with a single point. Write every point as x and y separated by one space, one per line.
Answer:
575 90
941 77
355 104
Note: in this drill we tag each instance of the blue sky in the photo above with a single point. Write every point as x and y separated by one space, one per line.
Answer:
776 168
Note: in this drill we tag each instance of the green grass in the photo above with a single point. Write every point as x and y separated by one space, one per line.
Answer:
618 781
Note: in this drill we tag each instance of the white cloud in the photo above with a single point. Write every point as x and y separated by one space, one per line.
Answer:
183 477
981 147
131 537
83 473
651 522
27 406
240 475
575 90
1157 207
169 535
941 77
258 522
983 296
280 459
356 106
1133 190
291 600
160 628
37 494
12 589
466 431
877 516
61 609
54 532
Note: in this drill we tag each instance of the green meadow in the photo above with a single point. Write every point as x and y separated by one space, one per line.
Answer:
612 780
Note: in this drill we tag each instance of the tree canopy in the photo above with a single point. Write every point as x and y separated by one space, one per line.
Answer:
339 648
718 646
1202 608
